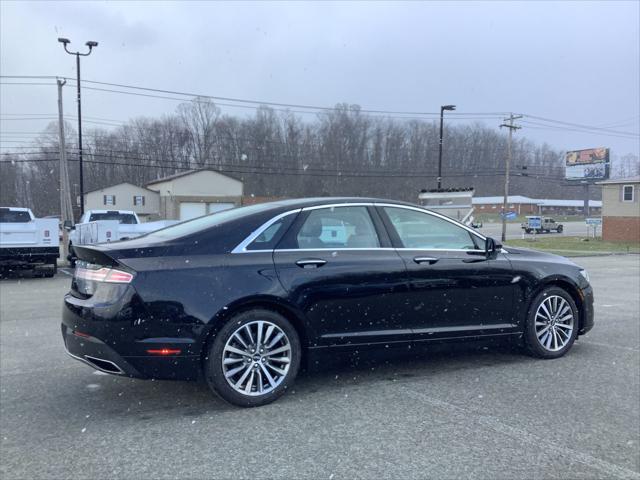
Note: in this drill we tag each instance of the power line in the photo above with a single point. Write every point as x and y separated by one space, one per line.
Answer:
545 126
257 103
577 125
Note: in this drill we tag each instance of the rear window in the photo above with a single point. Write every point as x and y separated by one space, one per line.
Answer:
14 216
202 223
124 218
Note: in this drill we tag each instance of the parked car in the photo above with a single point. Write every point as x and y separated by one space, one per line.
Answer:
242 296
27 242
541 225
98 226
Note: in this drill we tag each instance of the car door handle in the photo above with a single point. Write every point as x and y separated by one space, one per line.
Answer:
310 263
429 260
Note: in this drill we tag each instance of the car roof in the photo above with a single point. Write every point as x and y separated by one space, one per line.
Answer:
111 211
17 209
319 201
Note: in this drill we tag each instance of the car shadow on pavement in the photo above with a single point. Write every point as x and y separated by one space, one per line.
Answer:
146 399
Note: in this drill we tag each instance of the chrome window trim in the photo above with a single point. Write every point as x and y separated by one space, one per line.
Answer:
242 246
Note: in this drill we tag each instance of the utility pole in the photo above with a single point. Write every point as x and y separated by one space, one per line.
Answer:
66 210
505 202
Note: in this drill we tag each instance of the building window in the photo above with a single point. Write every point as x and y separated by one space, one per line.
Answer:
627 193
109 199
138 200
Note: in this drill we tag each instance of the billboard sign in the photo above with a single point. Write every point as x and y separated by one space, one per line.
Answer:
588 165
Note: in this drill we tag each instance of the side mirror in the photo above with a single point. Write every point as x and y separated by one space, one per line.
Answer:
492 246
67 225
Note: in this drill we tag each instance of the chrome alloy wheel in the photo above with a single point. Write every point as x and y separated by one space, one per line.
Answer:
256 358
554 323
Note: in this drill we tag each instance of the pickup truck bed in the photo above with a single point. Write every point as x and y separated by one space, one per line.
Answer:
28 242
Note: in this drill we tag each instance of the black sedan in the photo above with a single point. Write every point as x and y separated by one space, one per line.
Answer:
243 296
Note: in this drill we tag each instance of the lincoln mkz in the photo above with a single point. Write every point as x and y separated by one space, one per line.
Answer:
243 298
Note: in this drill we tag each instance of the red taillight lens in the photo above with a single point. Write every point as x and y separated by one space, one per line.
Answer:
104 274
164 351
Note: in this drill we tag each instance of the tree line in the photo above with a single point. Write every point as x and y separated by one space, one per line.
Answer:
277 154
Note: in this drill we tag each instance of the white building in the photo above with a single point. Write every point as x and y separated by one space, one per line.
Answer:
195 193
125 196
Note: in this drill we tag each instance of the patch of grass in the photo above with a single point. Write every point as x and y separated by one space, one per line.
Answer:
575 245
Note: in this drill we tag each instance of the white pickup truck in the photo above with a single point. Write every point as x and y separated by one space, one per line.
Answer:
28 242
100 226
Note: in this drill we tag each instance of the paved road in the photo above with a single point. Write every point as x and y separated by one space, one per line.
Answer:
477 413
571 229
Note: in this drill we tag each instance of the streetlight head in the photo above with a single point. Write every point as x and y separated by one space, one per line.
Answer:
91 44
64 40
448 107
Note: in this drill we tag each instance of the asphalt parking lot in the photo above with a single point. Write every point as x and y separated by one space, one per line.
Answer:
475 413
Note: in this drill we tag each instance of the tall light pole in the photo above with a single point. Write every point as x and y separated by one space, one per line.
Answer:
442 109
90 44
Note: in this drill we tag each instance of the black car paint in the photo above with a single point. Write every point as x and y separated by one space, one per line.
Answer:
185 289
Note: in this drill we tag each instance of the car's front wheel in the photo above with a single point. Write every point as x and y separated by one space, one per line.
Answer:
552 323
253 359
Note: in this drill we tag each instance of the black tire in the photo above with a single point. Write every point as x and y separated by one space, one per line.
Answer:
534 345
560 228
213 367
50 272
528 230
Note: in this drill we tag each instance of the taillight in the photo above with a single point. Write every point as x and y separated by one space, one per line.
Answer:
104 274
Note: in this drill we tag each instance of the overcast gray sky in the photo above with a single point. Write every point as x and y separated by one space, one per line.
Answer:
577 62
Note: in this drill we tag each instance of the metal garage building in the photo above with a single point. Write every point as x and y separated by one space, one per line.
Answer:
195 193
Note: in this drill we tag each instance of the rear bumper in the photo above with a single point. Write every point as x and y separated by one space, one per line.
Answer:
28 255
96 354
104 338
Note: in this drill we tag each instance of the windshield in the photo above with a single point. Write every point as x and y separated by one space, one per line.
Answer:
14 216
123 218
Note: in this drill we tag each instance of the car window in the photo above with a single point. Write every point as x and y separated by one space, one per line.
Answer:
14 216
338 227
423 230
267 239
123 218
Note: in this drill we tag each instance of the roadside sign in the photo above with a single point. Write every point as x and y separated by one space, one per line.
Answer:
593 221
535 222
509 215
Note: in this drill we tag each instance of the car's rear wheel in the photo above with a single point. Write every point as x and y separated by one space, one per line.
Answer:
552 323
560 228
253 359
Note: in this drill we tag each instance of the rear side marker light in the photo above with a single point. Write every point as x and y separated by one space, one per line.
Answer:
164 351
108 275
80 334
